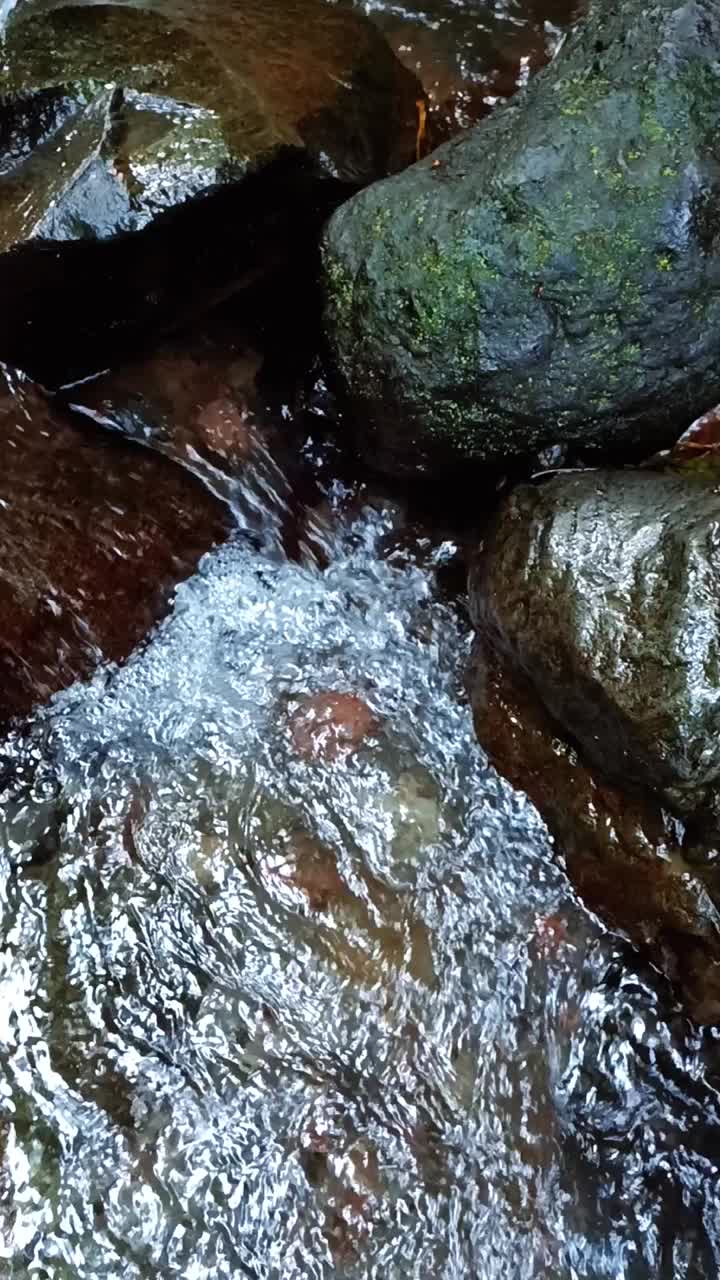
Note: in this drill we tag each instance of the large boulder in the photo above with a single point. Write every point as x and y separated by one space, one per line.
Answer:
553 274
95 533
116 116
597 690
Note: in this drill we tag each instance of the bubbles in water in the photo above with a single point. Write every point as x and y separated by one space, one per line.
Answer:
279 1012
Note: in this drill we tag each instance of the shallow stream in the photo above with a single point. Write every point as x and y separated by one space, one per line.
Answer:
279 1004
292 985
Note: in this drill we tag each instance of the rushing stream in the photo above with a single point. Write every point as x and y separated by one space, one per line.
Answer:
292 984
283 1005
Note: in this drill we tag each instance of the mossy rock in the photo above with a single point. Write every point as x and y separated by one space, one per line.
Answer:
553 275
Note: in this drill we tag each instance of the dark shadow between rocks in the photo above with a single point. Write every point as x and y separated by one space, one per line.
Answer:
78 306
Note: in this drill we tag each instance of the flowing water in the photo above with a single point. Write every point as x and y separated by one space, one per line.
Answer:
287 1000
283 1005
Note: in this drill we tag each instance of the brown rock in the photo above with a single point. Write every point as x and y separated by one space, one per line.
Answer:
185 395
94 534
622 851
330 724
701 439
225 429
312 868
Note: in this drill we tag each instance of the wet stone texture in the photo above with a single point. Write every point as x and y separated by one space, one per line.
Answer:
595 601
95 533
227 402
552 274
186 398
330 724
172 99
117 118
472 57
623 852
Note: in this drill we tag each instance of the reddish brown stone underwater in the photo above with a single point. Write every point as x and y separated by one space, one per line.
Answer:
95 532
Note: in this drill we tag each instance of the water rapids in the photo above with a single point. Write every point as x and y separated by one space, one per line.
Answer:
273 1013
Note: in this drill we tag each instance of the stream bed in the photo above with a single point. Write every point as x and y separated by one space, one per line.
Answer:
292 984
281 1004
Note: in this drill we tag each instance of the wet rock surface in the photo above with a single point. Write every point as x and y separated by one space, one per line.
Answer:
595 690
551 275
188 398
117 118
471 57
173 99
623 852
603 587
95 534
330 724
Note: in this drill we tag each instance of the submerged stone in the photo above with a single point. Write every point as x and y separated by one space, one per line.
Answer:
552 275
189 398
330 724
95 534
622 852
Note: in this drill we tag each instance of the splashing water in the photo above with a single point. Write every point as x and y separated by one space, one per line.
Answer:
279 1012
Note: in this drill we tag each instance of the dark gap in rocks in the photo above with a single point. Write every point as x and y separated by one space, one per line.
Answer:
81 306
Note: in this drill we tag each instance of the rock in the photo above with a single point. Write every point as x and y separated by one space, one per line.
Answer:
596 692
552 275
622 852
413 807
183 96
700 440
329 725
187 397
94 534
118 116
603 587
309 866
469 59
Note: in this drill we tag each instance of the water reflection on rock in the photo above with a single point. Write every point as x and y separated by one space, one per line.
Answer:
95 534
470 56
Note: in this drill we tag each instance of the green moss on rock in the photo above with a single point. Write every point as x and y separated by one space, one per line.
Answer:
488 280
